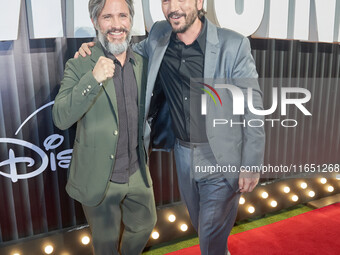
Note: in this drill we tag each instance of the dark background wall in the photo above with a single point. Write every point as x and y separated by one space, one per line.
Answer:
31 71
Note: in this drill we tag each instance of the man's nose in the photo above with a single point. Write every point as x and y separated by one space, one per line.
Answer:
174 5
115 22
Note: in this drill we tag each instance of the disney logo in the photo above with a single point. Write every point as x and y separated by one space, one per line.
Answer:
52 142
15 166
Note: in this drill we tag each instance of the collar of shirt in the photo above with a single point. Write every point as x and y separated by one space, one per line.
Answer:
129 55
201 39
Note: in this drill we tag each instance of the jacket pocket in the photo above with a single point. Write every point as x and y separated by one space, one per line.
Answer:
82 165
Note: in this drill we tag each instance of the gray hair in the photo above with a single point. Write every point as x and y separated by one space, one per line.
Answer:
96 7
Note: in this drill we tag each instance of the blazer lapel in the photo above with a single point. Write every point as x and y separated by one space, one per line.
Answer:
138 75
212 50
155 64
110 91
108 85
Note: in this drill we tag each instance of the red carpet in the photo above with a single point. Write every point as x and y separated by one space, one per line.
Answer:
314 232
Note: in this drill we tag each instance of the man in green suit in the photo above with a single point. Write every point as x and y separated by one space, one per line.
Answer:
108 174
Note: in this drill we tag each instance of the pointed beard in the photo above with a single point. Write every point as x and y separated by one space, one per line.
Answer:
112 47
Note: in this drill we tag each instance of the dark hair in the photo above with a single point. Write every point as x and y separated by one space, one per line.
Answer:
201 13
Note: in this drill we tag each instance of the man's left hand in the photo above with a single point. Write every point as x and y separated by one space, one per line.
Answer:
248 181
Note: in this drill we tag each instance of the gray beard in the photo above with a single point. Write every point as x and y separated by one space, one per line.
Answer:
114 48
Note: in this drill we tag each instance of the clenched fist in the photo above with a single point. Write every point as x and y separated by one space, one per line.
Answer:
104 69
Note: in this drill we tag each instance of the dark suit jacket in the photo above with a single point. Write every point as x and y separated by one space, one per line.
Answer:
227 56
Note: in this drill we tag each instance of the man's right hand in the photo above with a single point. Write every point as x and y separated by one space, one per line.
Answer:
84 49
104 69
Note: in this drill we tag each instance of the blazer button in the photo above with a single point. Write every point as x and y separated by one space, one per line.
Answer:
115 132
112 156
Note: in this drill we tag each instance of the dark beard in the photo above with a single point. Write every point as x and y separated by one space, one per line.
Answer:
189 20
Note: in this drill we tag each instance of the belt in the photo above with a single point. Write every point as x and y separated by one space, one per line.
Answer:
190 144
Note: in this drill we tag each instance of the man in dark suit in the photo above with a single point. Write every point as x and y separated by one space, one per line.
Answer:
188 46
108 174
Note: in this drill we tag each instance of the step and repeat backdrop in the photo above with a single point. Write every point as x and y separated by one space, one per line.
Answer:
294 44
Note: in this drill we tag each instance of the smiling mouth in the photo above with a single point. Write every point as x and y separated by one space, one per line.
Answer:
175 16
116 32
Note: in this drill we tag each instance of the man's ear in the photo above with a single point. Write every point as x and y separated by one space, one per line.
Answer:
94 25
199 4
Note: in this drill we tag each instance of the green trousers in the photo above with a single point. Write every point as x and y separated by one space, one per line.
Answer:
132 204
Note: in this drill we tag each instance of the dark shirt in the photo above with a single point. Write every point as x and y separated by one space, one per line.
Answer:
126 160
180 63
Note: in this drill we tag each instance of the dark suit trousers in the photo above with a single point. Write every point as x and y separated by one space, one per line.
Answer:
211 201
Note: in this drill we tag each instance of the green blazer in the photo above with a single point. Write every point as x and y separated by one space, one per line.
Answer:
94 108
